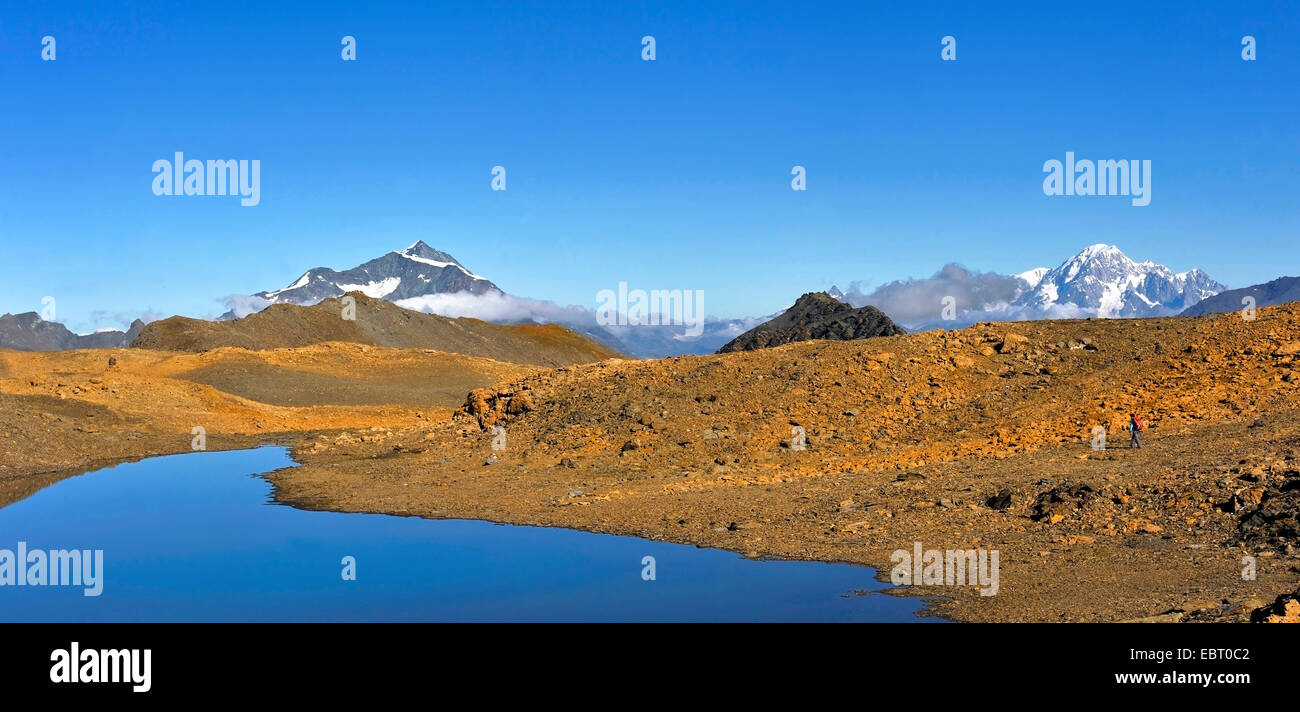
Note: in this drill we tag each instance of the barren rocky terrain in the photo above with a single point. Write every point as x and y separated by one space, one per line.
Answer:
62 412
841 451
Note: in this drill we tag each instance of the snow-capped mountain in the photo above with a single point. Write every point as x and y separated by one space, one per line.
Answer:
1034 276
423 279
416 271
1101 281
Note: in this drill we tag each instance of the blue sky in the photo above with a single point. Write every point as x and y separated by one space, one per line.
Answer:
666 174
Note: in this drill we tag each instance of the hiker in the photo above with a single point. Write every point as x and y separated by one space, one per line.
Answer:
1134 425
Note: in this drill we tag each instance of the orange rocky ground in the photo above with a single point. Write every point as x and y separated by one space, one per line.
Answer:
962 439
67 411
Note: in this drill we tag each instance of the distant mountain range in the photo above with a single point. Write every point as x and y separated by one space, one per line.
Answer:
1279 291
1104 282
29 332
1098 282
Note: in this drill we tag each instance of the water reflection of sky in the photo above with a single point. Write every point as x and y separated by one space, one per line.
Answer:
195 537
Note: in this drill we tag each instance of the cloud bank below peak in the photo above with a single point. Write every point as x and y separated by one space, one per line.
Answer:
1098 282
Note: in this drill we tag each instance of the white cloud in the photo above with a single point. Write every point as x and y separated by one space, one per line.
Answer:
915 301
241 305
498 307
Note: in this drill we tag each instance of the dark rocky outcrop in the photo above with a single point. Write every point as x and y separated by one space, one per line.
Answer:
816 315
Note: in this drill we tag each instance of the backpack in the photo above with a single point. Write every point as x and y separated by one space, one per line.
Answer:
1140 426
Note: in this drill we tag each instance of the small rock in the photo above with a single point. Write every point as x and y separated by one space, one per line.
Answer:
1000 501
1286 609
1011 342
1290 348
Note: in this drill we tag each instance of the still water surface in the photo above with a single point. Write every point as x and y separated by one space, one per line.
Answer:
196 537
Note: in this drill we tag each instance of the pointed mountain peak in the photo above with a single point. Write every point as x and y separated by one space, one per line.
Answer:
1100 248
421 249
820 302
1101 253
414 272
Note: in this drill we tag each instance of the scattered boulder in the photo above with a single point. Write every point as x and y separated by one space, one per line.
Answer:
1011 343
1000 501
519 403
1285 609
1290 348
1270 516
490 407
1061 501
